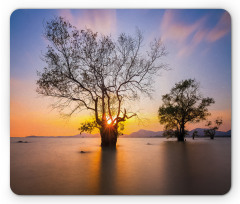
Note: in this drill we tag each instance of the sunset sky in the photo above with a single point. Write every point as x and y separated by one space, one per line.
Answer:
198 44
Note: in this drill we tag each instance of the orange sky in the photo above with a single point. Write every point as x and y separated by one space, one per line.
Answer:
32 115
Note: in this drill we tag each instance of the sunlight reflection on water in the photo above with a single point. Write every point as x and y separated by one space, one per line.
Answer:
138 166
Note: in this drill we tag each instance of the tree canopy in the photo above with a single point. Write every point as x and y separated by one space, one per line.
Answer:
86 70
183 104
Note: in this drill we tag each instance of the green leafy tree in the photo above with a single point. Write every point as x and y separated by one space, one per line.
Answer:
85 70
183 104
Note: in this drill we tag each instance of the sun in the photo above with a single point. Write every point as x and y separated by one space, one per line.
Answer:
109 121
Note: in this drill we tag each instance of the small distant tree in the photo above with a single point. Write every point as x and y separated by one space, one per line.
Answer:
88 71
194 134
212 128
183 104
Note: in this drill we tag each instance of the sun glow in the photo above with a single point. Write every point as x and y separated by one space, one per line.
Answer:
110 121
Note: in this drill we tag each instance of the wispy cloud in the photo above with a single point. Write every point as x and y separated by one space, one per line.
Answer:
221 29
188 36
102 21
175 30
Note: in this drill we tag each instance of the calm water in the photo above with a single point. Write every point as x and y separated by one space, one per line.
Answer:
138 166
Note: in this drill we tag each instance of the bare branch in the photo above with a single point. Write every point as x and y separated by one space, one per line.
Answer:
92 71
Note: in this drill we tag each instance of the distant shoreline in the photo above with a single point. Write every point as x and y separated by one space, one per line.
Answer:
139 134
76 137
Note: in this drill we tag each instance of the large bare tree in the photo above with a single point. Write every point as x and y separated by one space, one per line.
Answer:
85 70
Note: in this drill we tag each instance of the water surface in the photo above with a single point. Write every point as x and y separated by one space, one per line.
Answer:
149 166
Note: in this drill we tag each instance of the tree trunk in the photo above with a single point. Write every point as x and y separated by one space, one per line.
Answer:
212 134
181 137
109 136
181 134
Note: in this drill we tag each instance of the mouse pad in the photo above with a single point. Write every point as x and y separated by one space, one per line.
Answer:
120 102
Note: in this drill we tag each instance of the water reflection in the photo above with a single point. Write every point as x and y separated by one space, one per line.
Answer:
108 171
56 166
197 168
177 168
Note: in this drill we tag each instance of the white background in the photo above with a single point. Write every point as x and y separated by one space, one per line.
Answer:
8 6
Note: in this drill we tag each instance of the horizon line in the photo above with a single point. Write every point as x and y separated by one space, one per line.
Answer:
99 133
